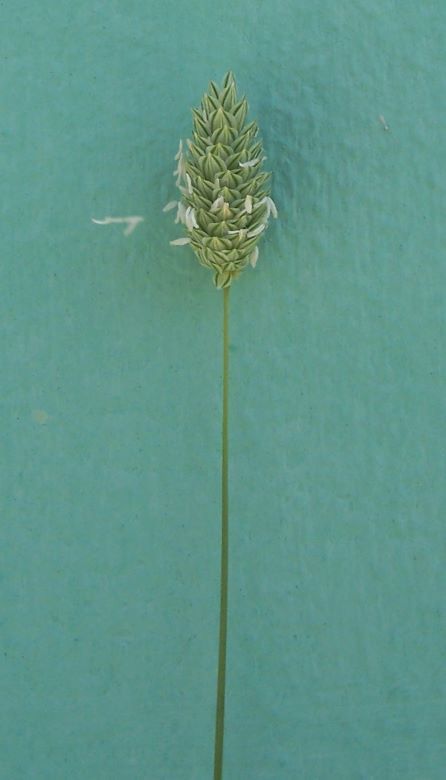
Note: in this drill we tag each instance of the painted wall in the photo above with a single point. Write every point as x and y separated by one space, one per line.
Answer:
111 398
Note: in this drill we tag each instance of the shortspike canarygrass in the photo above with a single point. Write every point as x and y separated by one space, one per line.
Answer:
225 201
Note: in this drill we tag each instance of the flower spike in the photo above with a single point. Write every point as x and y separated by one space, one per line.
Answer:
225 201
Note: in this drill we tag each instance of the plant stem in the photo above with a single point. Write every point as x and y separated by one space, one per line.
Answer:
221 683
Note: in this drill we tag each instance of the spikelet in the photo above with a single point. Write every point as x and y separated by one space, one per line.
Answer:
225 201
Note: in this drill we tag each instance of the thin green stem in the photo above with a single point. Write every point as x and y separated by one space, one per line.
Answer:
221 682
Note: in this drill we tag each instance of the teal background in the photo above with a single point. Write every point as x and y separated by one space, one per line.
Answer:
111 371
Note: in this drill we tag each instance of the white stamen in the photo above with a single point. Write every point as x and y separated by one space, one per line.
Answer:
218 203
240 232
171 205
132 222
190 219
180 170
249 163
272 207
180 241
189 184
180 150
181 213
256 231
248 204
106 220
254 257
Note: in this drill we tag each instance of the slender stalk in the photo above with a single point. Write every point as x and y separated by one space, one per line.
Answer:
221 682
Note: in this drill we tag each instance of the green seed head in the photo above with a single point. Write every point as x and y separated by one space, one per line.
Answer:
225 201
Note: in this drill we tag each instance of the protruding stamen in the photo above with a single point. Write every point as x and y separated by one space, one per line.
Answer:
271 207
217 204
171 205
241 232
181 213
180 241
180 150
254 257
249 163
256 231
190 219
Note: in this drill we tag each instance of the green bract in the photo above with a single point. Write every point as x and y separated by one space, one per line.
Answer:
225 199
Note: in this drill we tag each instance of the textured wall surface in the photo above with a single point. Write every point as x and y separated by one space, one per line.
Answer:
111 398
